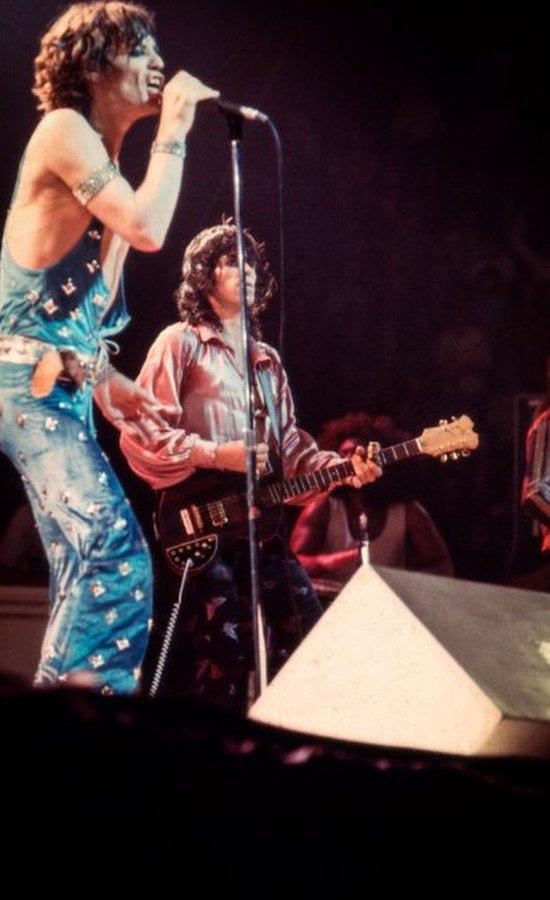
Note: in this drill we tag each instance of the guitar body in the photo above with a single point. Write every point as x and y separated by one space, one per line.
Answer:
204 514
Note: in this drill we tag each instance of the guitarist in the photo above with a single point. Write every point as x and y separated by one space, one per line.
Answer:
195 370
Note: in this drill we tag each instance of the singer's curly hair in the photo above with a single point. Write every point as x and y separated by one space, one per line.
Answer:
198 278
80 41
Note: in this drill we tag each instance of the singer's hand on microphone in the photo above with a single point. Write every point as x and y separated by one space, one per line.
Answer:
179 100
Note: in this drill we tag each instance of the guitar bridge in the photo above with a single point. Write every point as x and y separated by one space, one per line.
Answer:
218 515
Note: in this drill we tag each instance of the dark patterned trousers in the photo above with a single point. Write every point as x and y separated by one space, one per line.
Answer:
212 653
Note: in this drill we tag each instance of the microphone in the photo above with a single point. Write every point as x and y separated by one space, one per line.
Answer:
245 112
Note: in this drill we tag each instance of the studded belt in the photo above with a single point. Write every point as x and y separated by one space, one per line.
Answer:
17 348
51 363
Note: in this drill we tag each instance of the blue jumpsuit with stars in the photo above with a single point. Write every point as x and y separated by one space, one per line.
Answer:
100 570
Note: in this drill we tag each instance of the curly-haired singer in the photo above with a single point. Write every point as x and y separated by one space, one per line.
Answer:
73 217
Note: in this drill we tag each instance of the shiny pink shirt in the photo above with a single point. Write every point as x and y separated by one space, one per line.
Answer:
195 377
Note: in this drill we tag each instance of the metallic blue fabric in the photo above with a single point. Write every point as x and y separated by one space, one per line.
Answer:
100 583
64 304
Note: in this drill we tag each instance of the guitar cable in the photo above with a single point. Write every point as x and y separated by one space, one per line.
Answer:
169 633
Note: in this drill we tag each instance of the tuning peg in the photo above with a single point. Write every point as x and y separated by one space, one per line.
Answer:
464 452
444 458
443 422
455 455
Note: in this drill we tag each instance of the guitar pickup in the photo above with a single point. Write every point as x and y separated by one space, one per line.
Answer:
186 522
197 518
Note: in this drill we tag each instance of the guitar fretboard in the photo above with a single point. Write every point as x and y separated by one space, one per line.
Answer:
406 450
323 478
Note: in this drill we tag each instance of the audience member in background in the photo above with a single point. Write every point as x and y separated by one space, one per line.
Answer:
401 532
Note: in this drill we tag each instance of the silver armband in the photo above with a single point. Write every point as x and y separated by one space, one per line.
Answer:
95 182
176 148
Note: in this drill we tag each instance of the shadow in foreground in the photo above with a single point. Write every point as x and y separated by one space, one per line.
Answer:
168 789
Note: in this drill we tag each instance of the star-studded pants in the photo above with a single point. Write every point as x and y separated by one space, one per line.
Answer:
100 570
211 656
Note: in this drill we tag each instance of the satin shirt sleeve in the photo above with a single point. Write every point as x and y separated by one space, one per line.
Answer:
300 451
170 453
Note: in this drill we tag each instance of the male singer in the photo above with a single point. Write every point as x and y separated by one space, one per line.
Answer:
72 219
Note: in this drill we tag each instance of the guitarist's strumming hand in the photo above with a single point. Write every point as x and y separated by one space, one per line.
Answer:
232 456
366 470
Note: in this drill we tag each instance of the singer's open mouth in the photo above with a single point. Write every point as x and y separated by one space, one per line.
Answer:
155 84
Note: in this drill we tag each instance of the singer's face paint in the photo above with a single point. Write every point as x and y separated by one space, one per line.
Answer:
136 78
225 291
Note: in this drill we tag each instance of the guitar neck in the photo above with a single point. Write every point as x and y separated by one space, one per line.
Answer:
322 479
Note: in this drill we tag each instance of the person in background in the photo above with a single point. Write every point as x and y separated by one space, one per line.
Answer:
327 534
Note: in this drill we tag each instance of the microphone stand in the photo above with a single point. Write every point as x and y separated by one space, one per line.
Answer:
260 667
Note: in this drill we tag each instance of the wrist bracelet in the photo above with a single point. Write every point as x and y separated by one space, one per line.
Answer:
176 148
103 374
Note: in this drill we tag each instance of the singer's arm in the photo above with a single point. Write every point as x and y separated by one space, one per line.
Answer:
75 152
125 404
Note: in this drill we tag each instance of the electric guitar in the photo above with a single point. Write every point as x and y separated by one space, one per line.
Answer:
206 512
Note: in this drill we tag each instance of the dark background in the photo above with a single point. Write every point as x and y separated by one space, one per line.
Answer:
418 242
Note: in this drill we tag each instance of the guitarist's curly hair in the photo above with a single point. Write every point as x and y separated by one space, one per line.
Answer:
199 262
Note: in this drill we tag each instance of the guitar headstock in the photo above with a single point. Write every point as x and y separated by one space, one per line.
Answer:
450 439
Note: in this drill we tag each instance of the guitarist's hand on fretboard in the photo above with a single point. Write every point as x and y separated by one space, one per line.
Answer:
366 471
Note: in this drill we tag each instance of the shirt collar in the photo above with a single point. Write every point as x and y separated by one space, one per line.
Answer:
207 333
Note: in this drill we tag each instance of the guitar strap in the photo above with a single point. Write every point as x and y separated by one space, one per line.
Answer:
269 400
